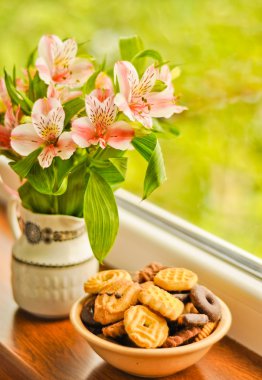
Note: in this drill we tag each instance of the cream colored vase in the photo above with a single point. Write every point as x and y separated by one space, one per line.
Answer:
51 259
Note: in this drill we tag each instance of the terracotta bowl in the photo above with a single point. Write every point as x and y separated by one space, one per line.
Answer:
150 362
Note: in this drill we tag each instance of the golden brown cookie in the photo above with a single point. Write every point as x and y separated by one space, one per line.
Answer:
161 301
97 282
146 284
174 279
206 330
145 328
190 308
113 300
114 331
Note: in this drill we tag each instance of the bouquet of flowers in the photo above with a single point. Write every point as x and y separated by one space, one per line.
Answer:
67 122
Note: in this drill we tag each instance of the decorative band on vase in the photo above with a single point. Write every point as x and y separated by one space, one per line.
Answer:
34 234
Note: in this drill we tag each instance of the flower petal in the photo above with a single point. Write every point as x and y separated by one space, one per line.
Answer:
45 158
43 70
24 139
145 119
165 75
5 134
80 70
65 146
83 132
44 106
127 78
102 114
103 87
121 103
46 47
119 135
62 93
48 118
162 104
64 53
44 63
147 81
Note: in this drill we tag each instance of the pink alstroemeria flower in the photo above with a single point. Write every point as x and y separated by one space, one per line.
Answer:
136 99
99 126
58 64
5 101
103 87
46 131
10 122
64 94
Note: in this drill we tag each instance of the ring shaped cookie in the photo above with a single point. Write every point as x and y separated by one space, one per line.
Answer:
206 302
97 282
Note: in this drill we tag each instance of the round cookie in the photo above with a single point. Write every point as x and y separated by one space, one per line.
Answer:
161 301
175 279
145 328
111 303
206 302
87 313
101 279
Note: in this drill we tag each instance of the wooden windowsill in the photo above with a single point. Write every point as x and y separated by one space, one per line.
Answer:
33 349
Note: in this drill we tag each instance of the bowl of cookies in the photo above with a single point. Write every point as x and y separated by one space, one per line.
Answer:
155 323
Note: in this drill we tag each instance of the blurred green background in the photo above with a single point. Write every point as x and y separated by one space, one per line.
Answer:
214 166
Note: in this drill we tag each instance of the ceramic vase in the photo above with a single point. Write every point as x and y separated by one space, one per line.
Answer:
51 259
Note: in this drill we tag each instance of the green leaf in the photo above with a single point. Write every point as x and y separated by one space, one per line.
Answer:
159 86
71 201
9 154
108 152
52 180
90 83
113 170
23 167
149 148
72 107
31 58
37 87
145 145
101 215
35 201
129 47
155 174
16 96
149 53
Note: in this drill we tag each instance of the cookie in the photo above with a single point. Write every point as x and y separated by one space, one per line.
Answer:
192 319
184 297
206 302
87 313
175 279
148 272
146 284
114 331
114 299
145 328
206 331
189 308
181 337
97 282
161 301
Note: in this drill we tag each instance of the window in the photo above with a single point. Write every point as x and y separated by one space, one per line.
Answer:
214 166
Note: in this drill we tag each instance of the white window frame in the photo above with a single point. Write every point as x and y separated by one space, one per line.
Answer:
147 234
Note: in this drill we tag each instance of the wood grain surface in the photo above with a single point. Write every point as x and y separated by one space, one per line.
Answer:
32 349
